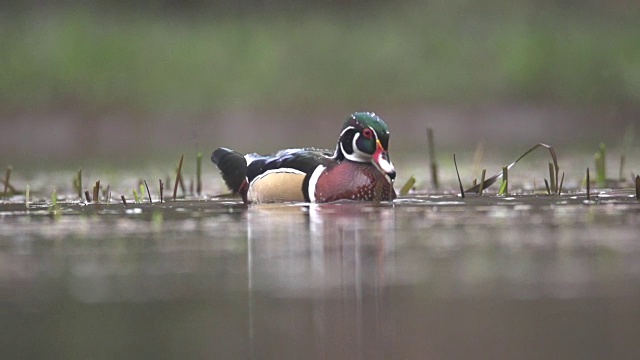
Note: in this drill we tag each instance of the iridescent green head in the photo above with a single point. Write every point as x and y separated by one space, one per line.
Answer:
365 138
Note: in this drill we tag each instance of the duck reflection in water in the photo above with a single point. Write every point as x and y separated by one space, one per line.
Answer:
333 258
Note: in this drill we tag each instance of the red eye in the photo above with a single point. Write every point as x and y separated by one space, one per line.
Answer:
367 133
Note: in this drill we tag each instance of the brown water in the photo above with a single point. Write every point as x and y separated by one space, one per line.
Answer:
428 277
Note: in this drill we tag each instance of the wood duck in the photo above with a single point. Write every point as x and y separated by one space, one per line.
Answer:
358 169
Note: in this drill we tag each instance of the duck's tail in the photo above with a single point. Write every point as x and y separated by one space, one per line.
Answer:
233 167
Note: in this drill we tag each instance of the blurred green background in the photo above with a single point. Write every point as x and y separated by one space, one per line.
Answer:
114 80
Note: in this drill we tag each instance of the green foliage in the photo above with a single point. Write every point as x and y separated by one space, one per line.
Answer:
456 51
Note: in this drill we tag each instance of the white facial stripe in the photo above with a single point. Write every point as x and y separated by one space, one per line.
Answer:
357 156
339 147
313 182
346 129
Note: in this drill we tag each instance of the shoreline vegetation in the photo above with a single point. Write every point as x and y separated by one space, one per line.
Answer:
192 61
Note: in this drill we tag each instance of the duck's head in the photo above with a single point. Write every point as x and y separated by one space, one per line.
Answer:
365 139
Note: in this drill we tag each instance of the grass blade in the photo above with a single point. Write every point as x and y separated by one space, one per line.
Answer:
638 187
546 185
7 177
552 179
79 184
178 179
484 173
148 192
588 186
407 186
199 173
504 187
455 163
53 209
432 158
96 192
490 181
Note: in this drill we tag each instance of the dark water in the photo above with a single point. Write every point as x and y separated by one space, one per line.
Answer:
424 278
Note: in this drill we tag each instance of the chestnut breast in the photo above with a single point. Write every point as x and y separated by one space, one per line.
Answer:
354 181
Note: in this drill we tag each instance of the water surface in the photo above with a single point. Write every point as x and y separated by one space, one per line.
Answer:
428 277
